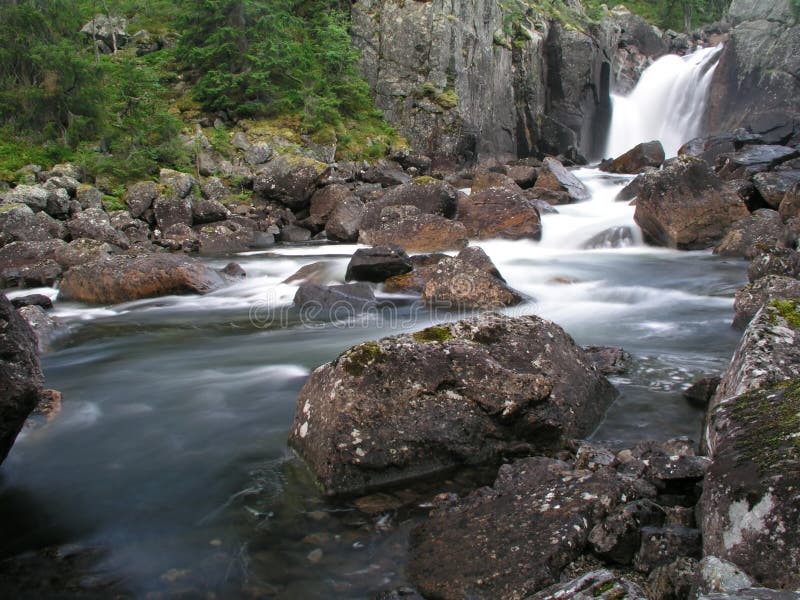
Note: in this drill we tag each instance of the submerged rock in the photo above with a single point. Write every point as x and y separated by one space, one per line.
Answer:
459 393
553 176
378 263
19 372
521 533
123 278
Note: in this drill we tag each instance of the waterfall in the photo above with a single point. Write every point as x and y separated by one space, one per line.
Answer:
667 103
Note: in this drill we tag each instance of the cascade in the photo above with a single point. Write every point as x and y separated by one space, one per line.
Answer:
667 103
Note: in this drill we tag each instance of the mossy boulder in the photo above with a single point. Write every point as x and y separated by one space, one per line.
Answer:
289 179
460 393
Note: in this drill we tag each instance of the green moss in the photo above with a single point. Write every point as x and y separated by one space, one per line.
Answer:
359 358
447 99
771 419
424 179
602 588
436 333
9 207
112 203
788 310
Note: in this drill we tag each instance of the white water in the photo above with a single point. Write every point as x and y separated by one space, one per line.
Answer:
667 104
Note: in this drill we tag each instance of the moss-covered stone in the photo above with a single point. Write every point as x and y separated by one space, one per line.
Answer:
362 356
4 208
788 310
437 333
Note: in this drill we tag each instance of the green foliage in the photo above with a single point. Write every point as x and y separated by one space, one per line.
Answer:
261 59
680 15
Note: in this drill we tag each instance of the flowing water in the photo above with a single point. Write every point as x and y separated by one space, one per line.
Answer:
667 104
169 456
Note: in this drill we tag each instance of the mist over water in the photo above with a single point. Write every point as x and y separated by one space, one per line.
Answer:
667 103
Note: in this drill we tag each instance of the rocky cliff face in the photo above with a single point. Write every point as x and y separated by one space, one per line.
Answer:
463 79
757 82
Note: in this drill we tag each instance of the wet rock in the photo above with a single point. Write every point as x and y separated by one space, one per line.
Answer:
42 273
324 201
387 173
123 278
714 575
430 196
377 264
747 237
19 372
672 581
663 545
345 220
458 393
460 284
499 213
551 197
32 300
288 179
524 175
700 392
537 514
608 360
44 326
544 207
686 206
709 148
774 186
631 191
619 537
751 160
319 272
405 226
317 302
176 184
553 176
140 197
206 210
613 237
602 584
637 159
752 297
774 261
234 271
223 238
295 233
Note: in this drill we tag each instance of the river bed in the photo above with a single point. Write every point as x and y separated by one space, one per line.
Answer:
169 456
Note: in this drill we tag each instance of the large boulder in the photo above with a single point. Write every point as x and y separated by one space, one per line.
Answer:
19 372
414 231
95 224
29 264
19 223
750 508
82 250
774 186
172 209
459 393
140 197
123 278
466 282
345 220
499 213
686 206
745 238
289 179
430 196
555 177
521 533
377 264
752 160
32 196
636 160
